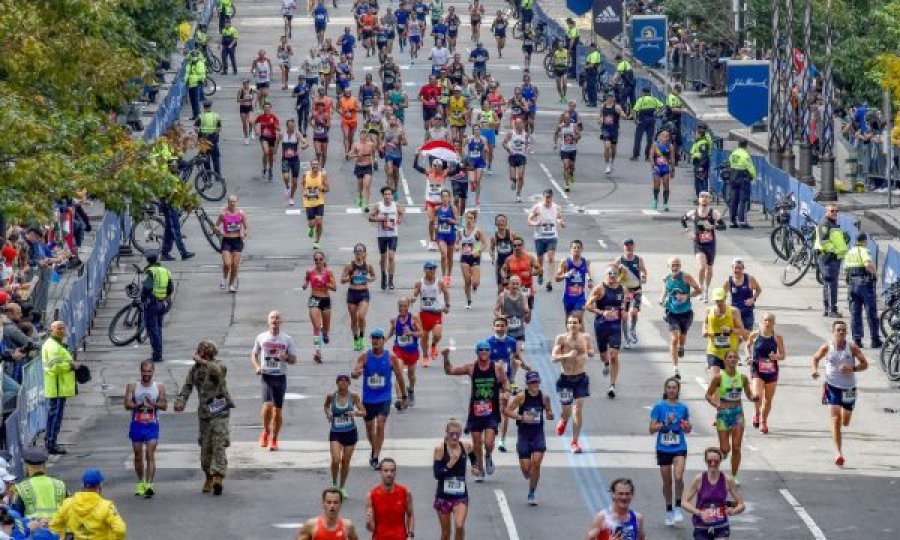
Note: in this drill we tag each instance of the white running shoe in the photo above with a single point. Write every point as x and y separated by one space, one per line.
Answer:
246 141
290 202
222 285
677 514
609 169
432 246
670 518
606 369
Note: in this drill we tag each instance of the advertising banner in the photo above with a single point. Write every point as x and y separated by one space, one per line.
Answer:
648 38
748 90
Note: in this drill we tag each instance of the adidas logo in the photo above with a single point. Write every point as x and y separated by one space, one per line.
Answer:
607 16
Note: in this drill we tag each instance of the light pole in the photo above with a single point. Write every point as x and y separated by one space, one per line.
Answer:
775 88
827 192
787 75
806 88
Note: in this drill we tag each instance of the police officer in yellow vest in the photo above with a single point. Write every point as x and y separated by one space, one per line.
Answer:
155 294
700 152
59 381
743 173
572 44
194 75
645 110
592 63
38 496
831 245
527 11
628 83
208 125
674 108
861 276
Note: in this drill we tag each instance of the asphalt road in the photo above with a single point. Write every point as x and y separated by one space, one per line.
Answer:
269 494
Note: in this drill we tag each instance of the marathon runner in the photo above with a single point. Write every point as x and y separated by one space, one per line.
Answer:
705 220
349 108
458 113
314 187
368 91
474 150
679 288
388 215
724 393
566 138
320 280
607 301
414 35
501 248
633 275
717 497
744 291
498 27
765 348
357 275
453 23
573 386
435 302
561 60
447 220
272 351
469 243
365 153
320 21
459 185
403 18
389 506
261 70
269 131
479 57
329 525
505 350
321 124
610 115
523 265
290 159
284 52
341 407
451 499
530 94
488 379
670 420
392 149
529 409
376 366
245 97
436 180
619 521
144 399
232 227
576 272
488 126
723 330
406 329
661 157
545 217
512 305
516 143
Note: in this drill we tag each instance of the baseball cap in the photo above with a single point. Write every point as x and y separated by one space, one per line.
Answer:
429 265
92 478
532 377
35 456
377 332
4 297
482 346
719 294
6 476
343 376
627 241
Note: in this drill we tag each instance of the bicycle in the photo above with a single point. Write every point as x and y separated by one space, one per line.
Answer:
889 356
890 317
207 182
127 325
209 86
603 85
785 239
804 258
149 229
213 62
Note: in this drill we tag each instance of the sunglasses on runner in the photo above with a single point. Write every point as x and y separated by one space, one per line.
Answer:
712 462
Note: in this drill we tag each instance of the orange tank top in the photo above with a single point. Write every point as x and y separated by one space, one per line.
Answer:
390 513
322 532
521 266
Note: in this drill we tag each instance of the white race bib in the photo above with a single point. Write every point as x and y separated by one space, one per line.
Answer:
566 396
343 421
514 323
217 405
849 395
722 342
454 486
375 381
670 438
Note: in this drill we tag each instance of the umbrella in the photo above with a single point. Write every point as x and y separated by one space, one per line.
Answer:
442 150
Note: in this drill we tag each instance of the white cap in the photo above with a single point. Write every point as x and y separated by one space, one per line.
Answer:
6 476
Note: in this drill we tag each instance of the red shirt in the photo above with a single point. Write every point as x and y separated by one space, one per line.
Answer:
429 95
268 125
9 253
367 21
390 510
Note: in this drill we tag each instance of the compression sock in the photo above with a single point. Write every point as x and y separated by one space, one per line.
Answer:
655 194
665 196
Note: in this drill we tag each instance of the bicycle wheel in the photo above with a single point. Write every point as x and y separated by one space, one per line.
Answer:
213 62
785 241
209 87
147 233
893 369
517 30
548 66
126 325
541 44
796 267
210 185
209 230
889 320
887 350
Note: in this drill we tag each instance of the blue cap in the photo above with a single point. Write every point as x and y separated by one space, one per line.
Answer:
377 332
482 346
429 265
532 377
92 478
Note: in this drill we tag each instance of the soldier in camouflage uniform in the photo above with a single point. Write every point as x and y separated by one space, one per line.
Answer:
208 376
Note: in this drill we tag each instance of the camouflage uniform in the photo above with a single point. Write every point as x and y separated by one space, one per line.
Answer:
212 390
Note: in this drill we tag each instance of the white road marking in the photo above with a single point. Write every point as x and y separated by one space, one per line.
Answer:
602 244
287 525
412 209
751 447
515 68
291 395
804 515
293 211
650 212
409 199
555 183
507 515
353 210
702 383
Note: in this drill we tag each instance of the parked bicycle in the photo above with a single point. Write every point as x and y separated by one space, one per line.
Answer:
889 356
785 239
209 184
209 87
213 63
127 325
890 317
804 257
149 228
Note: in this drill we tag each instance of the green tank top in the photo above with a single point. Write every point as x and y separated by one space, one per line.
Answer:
730 388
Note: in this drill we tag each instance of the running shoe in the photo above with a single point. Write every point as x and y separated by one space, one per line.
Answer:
222 285
343 493
532 498
540 280
383 282
264 439
839 460
290 202
627 343
611 393
432 246
677 514
287 193
479 477
518 198
670 518
756 420
149 491
232 289
139 489
246 141
576 448
606 369
468 304
412 398
609 169
488 464
490 171
634 336
680 352
764 428
654 205
433 352
273 445
316 245
373 462
676 374
561 427
325 339
502 446
270 175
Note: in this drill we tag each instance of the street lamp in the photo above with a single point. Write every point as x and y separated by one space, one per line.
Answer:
806 88
827 192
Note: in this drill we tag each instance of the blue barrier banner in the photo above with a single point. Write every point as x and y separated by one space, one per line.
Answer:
32 405
579 7
648 38
607 15
14 445
748 90
890 272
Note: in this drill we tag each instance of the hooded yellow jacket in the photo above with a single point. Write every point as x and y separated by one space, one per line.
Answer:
88 516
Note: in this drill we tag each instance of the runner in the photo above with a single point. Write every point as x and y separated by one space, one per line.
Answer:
389 506
440 57
321 122
389 22
607 302
447 219
459 185
437 131
501 248
388 215
706 220
529 409
516 143
744 291
458 112
349 108
632 274
343 72
476 13
573 386
723 330
451 500
610 115
546 218
358 274
724 393
364 152
679 288
530 94
329 525
232 226
290 159
498 27
842 360
670 420
469 243
518 108
368 90
435 302
453 23
144 398
506 351
479 57
475 148
512 305
488 379
406 329
712 507
561 60
320 281
269 132
272 351
402 16
528 39
320 21
245 97
414 35
377 366
436 175
523 265
340 409
576 271
765 348
661 158
284 54
302 92
619 521
566 138
315 186
261 70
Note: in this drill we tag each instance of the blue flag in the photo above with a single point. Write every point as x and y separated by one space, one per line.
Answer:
648 38
748 90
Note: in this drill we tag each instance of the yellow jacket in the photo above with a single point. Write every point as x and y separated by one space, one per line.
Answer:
88 516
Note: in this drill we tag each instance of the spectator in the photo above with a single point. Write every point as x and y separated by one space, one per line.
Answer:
86 515
59 381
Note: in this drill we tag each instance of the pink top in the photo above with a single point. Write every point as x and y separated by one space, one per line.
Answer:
231 222
318 280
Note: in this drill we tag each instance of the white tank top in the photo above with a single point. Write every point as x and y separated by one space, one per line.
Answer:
432 299
387 229
144 414
263 71
518 143
437 134
546 227
833 362
567 139
467 241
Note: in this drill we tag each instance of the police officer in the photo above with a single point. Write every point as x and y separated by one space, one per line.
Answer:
645 109
674 108
861 274
229 36
572 44
59 381
743 173
592 73
625 76
831 246
209 124
194 76
38 496
155 294
700 152
207 375
527 10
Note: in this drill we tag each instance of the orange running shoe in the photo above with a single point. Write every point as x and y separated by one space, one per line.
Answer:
273 445
264 439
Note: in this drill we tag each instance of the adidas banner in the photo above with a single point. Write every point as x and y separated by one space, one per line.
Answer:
608 18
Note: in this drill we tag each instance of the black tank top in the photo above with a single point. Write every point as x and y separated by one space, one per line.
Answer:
610 117
504 247
452 483
612 299
534 405
484 401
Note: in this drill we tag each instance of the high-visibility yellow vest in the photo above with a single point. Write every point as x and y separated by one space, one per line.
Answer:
41 495
161 277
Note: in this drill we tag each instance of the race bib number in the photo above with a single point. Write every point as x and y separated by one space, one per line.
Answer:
514 323
722 341
388 225
712 514
233 227
483 407
445 227
504 248
429 301
467 249
548 228
705 237
145 416
312 193
566 396
670 438
766 366
454 486
531 416
575 289
343 421
848 395
404 341
733 394
434 189
375 381
319 130
609 120
475 154
217 406
271 365
289 153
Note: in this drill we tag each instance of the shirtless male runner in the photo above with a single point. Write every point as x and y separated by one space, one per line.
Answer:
329 525
571 351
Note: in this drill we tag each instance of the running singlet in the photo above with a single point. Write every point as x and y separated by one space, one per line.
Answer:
403 334
629 530
704 228
670 437
231 222
720 343
141 413
568 140
322 532
711 500
468 243
518 144
576 279
377 375
677 285
341 419
740 294
475 149
833 362
444 226
762 347
434 188
457 109
432 297
521 266
390 509
532 411
514 311
611 300
359 275
610 116
268 125
263 69
730 388
485 399
348 110
388 227
368 93
547 221
289 145
502 350
452 480
504 247
312 190
632 278
529 94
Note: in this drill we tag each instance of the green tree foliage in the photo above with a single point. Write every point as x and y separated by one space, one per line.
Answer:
65 64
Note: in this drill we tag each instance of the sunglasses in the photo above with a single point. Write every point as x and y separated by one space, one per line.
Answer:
713 461
454 434
483 350
318 259
518 245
